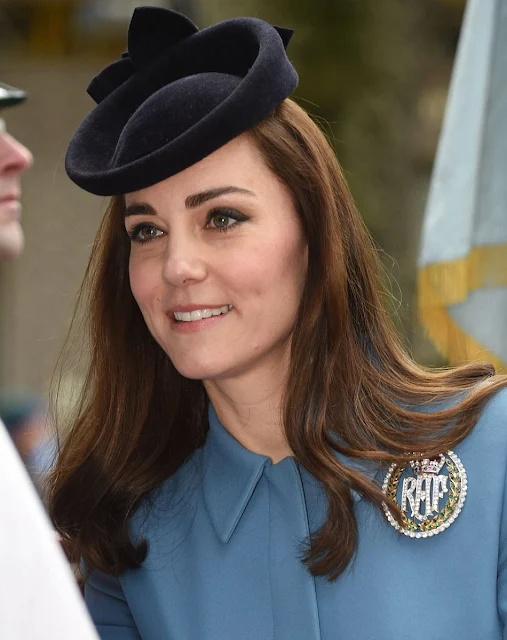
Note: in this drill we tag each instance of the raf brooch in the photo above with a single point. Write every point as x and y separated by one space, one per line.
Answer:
430 500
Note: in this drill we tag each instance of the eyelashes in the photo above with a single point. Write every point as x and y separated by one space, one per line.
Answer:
226 218
144 232
219 220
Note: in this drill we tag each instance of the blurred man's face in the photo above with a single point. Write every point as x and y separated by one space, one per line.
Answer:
14 159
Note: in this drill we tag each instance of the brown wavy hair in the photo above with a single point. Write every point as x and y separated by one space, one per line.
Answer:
351 388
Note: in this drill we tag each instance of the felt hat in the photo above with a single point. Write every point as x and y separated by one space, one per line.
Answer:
176 96
10 95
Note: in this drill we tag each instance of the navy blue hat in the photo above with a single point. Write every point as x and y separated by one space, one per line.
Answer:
176 96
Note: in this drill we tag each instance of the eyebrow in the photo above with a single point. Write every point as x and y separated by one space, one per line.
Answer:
191 202
196 200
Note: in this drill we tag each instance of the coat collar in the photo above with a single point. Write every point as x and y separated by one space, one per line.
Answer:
231 473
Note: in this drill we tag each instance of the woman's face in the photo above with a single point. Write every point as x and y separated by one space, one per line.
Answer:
218 263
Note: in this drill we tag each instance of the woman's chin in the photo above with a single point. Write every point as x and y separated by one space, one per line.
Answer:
199 370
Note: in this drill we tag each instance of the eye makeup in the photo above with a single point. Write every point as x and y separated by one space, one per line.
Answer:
220 219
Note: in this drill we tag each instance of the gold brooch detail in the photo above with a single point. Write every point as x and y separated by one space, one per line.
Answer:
425 513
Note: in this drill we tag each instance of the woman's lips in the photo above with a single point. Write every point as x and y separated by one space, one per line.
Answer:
188 321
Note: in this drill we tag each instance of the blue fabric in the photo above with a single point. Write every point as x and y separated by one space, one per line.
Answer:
225 539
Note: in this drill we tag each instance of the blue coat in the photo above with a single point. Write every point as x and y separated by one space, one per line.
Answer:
225 534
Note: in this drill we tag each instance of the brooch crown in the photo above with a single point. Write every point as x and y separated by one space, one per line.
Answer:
427 465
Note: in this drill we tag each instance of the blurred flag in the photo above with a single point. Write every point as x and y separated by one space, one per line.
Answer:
462 280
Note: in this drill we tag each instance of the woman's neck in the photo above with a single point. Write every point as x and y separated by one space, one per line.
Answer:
252 414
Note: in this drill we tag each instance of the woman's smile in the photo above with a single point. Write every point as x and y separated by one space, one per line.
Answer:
195 318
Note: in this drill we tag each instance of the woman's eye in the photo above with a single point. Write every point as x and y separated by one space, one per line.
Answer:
221 221
224 219
144 233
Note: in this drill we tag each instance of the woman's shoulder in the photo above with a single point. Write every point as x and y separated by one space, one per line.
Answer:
496 404
485 447
483 450
491 425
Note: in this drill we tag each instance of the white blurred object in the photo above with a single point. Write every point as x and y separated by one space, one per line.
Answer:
39 598
463 260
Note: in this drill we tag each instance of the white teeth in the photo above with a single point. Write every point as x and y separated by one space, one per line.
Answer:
199 314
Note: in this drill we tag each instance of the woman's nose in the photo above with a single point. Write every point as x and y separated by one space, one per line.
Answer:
14 157
183 264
